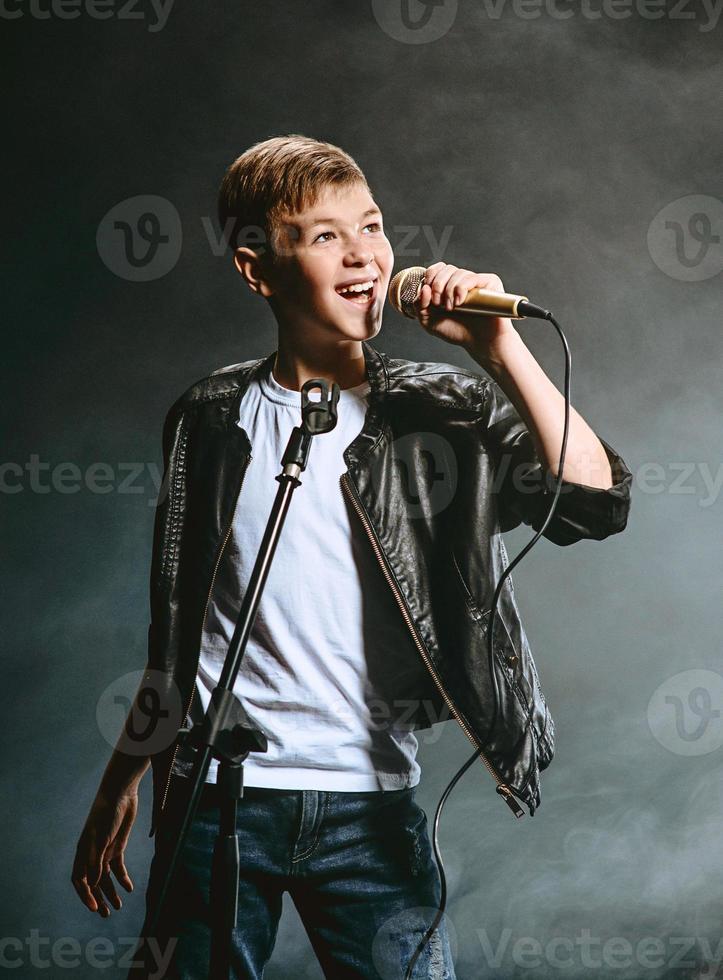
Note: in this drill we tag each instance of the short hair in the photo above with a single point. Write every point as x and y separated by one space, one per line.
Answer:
278 176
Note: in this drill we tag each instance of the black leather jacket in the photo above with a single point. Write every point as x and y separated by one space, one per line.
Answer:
442 465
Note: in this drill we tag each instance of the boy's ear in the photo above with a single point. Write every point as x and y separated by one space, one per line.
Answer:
253 269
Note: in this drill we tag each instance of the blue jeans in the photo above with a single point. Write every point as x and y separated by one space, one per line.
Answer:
358 867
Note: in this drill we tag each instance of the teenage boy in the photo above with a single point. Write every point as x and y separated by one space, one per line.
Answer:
379 592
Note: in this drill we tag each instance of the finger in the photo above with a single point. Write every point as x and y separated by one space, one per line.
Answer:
117 849
84 893
114 856
103 909
424 298
107 887
439 283
431 271
95 865
458 287
435 274
79 876
88 861
117 865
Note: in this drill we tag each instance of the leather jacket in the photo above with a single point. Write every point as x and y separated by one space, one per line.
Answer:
443 464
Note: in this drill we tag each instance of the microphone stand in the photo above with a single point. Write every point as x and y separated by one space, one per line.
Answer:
225 733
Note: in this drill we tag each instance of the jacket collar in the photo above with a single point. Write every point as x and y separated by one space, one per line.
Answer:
377 376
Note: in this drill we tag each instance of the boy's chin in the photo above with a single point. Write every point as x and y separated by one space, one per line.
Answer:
359 328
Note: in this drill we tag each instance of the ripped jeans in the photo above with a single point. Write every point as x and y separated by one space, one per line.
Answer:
358 867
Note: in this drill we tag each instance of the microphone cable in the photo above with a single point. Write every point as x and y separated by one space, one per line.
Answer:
546 315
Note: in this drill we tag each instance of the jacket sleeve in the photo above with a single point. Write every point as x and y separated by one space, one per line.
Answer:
524 495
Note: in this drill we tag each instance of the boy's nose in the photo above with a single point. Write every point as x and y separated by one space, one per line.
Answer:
359 258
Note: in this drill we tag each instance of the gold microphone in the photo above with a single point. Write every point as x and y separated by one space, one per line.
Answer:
406 285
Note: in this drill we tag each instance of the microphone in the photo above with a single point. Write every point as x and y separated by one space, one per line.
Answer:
406 286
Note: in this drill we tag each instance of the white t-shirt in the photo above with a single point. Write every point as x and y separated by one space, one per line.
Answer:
330 665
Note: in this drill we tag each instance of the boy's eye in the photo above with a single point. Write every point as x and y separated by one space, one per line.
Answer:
324 236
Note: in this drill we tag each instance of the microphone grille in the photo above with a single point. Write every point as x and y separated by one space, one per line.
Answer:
404 289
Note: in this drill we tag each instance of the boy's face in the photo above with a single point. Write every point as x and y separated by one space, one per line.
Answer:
332 266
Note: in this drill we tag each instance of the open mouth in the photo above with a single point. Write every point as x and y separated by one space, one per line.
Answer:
358 293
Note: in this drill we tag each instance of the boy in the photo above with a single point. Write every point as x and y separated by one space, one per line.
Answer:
379 591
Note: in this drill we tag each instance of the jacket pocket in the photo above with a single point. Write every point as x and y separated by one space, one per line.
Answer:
527 718
504 649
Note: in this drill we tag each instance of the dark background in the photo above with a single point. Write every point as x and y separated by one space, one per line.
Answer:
544 149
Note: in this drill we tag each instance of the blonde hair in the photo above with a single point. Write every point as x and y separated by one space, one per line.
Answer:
279 176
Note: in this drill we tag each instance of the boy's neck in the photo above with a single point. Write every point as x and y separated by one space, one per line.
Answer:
342 362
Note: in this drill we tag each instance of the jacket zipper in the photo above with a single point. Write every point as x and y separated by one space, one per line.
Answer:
502 788
205 614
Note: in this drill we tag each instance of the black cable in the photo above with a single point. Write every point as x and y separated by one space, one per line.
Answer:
533 541
490 653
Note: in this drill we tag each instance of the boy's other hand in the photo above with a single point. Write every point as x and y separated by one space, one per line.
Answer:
100 851
445 287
